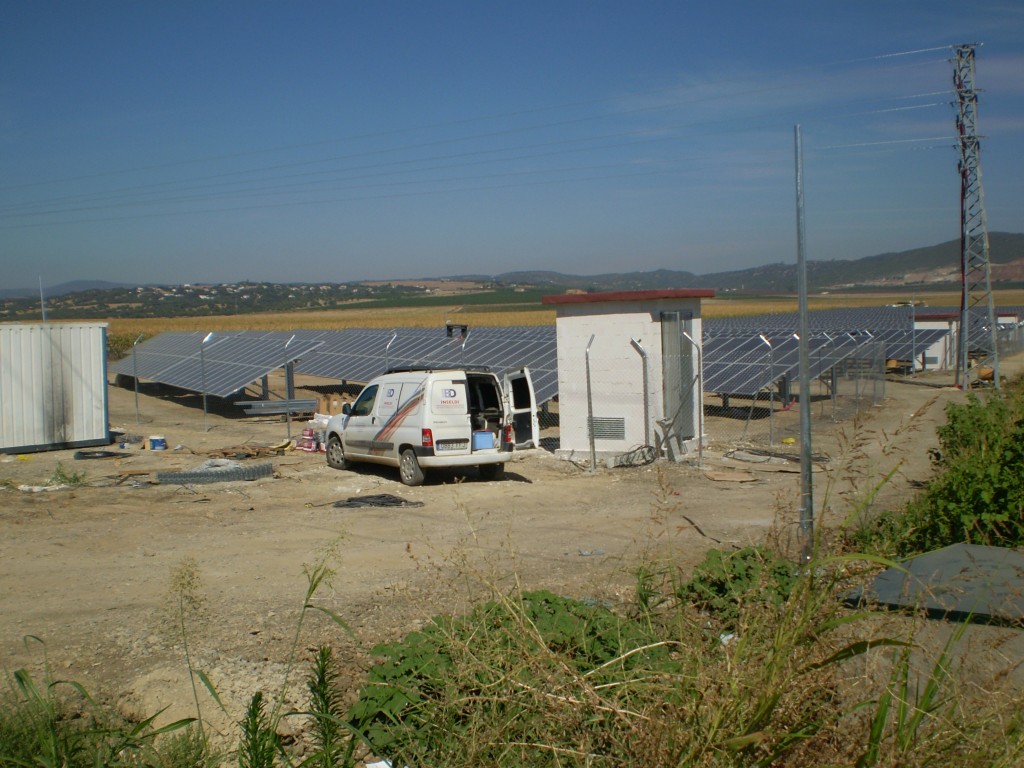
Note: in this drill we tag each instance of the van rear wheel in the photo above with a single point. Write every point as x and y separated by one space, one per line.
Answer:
409 468
492 471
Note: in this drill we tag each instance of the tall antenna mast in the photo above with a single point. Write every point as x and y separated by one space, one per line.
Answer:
976 304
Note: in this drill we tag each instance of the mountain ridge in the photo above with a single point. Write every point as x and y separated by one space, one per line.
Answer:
935 264
927 266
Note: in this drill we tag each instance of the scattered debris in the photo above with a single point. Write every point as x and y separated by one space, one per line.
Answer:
81 455
244 451
750 458
726 476
376 500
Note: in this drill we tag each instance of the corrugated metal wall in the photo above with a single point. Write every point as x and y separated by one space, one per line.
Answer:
53 386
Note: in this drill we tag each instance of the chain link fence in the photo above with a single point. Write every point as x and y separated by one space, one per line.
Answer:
1010 339
612 402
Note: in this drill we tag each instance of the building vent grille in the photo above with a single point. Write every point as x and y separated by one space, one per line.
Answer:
608 427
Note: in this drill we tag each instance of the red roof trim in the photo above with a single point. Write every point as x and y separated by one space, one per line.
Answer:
936 316
594 298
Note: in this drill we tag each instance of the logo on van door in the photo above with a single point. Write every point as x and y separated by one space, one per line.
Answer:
450 393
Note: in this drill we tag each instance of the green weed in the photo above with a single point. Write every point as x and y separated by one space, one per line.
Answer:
41 727
62 476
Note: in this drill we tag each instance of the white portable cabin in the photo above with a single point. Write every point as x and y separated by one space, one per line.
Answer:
940 355
53 386
642 349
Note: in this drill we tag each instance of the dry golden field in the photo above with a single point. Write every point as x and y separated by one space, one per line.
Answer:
428 317
392 317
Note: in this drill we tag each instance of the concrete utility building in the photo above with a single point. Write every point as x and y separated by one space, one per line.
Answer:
628 371
941 354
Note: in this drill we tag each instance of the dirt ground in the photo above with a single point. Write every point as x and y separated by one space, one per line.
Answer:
87 569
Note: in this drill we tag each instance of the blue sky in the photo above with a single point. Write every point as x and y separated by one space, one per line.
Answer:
306 141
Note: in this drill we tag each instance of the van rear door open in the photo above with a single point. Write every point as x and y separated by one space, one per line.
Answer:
523 407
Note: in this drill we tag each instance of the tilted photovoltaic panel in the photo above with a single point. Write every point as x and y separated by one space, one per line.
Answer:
224 365
154 356
232 361
744 364
360 354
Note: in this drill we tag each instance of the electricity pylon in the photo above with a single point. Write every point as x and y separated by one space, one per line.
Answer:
976 304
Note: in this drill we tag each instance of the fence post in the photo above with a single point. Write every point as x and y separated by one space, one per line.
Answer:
700 400
771 391
647 389
590 411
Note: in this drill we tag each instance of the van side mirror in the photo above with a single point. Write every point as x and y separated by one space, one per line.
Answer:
346 409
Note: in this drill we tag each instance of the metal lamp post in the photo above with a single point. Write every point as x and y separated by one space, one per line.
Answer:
288 390
771 389
202 374
135 376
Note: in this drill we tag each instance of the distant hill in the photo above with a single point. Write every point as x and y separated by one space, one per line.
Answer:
63 289
935 264
930 267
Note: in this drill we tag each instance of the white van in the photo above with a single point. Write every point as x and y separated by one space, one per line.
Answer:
419 419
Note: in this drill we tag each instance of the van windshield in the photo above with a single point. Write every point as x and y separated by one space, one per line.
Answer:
364 404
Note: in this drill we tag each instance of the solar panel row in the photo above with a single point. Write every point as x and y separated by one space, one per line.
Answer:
230 362
743 364
220 367
735 358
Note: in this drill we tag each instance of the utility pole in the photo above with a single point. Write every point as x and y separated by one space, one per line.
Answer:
976 303
806 468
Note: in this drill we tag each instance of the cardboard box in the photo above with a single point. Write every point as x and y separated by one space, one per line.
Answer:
330 404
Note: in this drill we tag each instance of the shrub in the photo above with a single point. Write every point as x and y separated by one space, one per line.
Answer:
120 344
978 497
490 674
725 581
543 680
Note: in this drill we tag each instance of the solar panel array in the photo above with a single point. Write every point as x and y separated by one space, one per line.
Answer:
231 362
361 354
224 365
872 319
741 364
735 359
738 361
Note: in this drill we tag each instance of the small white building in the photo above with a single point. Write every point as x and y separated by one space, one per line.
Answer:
628 366
53 386
940 355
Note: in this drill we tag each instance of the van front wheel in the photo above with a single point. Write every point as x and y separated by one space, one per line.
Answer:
336 453
409 468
